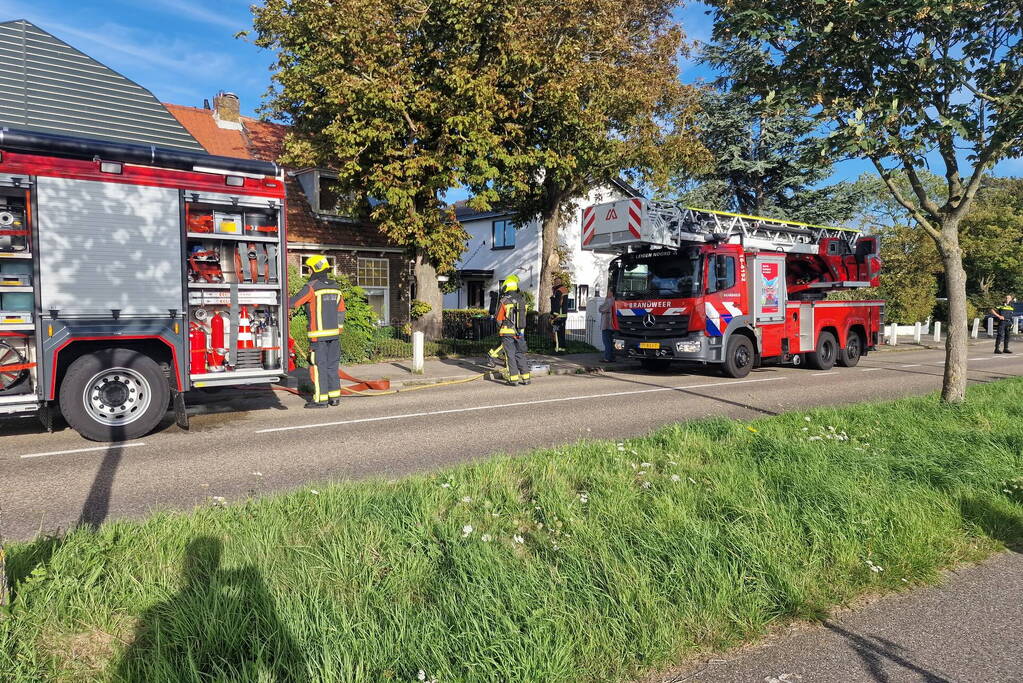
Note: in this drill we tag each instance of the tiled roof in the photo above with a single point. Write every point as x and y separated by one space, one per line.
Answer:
265 141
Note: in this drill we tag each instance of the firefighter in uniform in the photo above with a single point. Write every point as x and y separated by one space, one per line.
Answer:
325 306
1004 317
511 320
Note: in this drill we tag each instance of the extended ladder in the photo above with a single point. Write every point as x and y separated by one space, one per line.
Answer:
616 226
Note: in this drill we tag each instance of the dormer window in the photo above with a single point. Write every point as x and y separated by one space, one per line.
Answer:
322 189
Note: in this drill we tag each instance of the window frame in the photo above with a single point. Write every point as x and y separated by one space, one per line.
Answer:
506 224
306 272
383 290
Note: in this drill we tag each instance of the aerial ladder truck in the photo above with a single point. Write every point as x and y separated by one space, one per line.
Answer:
717 288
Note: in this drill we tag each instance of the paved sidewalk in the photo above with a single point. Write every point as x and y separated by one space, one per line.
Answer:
969 628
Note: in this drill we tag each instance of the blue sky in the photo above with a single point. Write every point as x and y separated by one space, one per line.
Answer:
185 50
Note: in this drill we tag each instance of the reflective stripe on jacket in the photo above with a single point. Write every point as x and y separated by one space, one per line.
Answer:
325 306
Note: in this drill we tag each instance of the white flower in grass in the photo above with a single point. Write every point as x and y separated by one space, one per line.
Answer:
314 492
584 498
466 499
422 675
816 438
807 418
621 448
219 501
257 474
646 484
641 472
518 539
646 464
877 569
466 530
486 538
672 462
675 477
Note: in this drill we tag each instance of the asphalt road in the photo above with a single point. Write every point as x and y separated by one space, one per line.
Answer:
968 629
264 442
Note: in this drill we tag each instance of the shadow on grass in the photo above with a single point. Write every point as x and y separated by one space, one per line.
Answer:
222 625
997 521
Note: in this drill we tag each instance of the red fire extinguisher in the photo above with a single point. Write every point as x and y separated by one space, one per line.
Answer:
197 344
217 343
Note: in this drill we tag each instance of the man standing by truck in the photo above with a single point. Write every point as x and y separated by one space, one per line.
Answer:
511 320
1004 317
325 307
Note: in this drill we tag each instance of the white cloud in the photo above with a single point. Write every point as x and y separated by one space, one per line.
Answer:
235 21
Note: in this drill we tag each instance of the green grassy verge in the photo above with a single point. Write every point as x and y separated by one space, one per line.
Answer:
596 561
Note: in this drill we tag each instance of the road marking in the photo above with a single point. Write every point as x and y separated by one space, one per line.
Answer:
516 404
85 450
985 358
870 369
914 365
818 374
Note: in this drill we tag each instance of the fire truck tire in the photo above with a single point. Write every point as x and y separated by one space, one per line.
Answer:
826 354
739 357
853 351
114 395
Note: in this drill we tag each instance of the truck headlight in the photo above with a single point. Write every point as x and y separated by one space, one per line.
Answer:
619 344
691 346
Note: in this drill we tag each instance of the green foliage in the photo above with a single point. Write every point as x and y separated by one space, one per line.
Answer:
418 309
462 317
530 300
992 239
733 528
767 162
360 320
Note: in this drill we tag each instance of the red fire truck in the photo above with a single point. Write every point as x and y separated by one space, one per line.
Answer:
131 274
711 287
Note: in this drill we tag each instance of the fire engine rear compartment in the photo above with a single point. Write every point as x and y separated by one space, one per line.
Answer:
98 255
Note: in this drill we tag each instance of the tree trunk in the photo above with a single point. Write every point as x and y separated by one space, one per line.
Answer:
428 291
953 388
550 220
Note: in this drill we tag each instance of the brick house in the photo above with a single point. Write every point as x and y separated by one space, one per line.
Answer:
356 249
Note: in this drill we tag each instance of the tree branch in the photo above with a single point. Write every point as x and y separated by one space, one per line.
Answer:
913 210
926 203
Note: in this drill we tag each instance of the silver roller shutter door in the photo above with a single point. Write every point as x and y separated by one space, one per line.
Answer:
108 246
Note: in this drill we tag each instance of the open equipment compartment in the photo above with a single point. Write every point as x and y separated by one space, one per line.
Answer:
234 264
18 352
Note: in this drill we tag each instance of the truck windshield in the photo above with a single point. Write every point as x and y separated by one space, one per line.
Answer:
664 276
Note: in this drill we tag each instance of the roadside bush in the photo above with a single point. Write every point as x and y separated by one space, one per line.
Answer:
360 320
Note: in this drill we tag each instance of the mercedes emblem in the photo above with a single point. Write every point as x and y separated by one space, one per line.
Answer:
649 320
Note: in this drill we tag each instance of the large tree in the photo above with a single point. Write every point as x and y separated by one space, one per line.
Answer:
906 84
600 97
767 161
400 98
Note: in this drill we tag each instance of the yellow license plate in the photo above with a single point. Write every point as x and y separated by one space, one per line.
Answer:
649 345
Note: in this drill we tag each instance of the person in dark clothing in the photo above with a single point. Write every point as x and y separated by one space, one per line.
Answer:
325 307
511 320
1004 318
559 313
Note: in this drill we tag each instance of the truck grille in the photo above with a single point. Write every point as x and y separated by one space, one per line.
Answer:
664 326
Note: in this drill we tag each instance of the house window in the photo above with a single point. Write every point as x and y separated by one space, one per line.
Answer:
582 293
329 194
504 235
476 293
332 260
373 275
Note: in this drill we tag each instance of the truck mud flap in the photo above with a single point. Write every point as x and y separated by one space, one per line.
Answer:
180 410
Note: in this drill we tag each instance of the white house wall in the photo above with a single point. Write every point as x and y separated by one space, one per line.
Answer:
586 267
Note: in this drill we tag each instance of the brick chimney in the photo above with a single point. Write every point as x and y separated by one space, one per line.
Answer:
227 110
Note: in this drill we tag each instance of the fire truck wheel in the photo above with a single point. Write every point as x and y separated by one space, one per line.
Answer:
826 354
852 352
739 357
114 395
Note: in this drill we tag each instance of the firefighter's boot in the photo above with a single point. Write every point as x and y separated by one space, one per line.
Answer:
316 404
335 401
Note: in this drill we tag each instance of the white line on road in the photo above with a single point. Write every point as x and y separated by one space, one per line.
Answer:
870 369
819 374
985 358
84 450
512 405
913 365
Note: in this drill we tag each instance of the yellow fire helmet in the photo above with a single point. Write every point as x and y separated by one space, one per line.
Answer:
317 263
511 283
